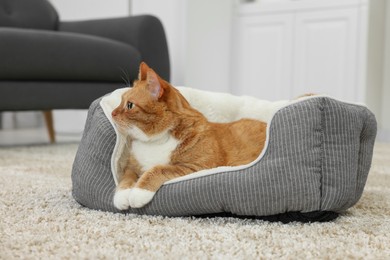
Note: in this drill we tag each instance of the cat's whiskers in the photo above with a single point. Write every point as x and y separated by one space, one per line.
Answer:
125 77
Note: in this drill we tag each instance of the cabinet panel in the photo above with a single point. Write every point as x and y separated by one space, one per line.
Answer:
263 58
325 56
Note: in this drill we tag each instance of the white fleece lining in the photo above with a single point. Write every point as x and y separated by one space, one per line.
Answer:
217 107
108 104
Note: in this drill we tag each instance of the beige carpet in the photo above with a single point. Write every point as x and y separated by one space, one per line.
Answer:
40 220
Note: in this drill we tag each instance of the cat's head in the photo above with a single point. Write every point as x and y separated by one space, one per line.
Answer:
147 110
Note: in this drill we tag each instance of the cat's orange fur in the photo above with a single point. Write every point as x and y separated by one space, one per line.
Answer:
160 112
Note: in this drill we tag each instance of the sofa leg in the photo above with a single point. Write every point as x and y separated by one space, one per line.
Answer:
49 125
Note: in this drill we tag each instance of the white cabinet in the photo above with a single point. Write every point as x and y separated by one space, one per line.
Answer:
326 49
286 48
263 56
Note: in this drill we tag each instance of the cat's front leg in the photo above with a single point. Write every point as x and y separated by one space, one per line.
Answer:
123 190
149 183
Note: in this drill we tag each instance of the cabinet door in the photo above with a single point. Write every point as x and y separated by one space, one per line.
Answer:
326 53
262 58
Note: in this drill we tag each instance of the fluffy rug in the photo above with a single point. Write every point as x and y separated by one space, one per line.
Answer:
40 220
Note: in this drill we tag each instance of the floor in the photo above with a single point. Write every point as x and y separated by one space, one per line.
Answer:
33 136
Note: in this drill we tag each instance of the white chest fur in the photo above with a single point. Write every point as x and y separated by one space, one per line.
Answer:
154 152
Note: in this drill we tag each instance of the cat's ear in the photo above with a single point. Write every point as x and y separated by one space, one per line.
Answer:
143 71
154 84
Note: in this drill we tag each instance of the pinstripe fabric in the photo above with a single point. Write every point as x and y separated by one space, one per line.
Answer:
349 134
93 184
318 158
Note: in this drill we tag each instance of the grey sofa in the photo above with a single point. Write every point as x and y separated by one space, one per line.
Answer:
47 64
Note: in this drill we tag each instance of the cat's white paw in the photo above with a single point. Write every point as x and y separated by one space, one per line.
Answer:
140 197
121 199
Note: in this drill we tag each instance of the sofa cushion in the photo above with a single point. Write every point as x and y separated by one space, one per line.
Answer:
47 55
37 14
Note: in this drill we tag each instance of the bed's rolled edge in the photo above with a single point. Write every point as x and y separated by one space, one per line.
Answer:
367 142
349 136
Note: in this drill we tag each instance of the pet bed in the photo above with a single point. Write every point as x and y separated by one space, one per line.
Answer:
316 159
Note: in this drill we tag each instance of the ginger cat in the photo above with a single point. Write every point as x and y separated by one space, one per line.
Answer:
169 139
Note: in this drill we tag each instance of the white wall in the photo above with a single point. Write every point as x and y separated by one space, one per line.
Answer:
199 37
70 10
209 27
375 56
24 119
385 115
378 66
172 14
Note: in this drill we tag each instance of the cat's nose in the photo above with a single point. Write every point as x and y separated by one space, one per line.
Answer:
114 113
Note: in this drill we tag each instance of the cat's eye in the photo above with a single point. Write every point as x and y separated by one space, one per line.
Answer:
130 105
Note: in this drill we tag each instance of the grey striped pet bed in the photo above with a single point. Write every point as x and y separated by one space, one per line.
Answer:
316 159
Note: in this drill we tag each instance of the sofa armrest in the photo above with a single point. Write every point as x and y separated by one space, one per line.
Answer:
144 32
